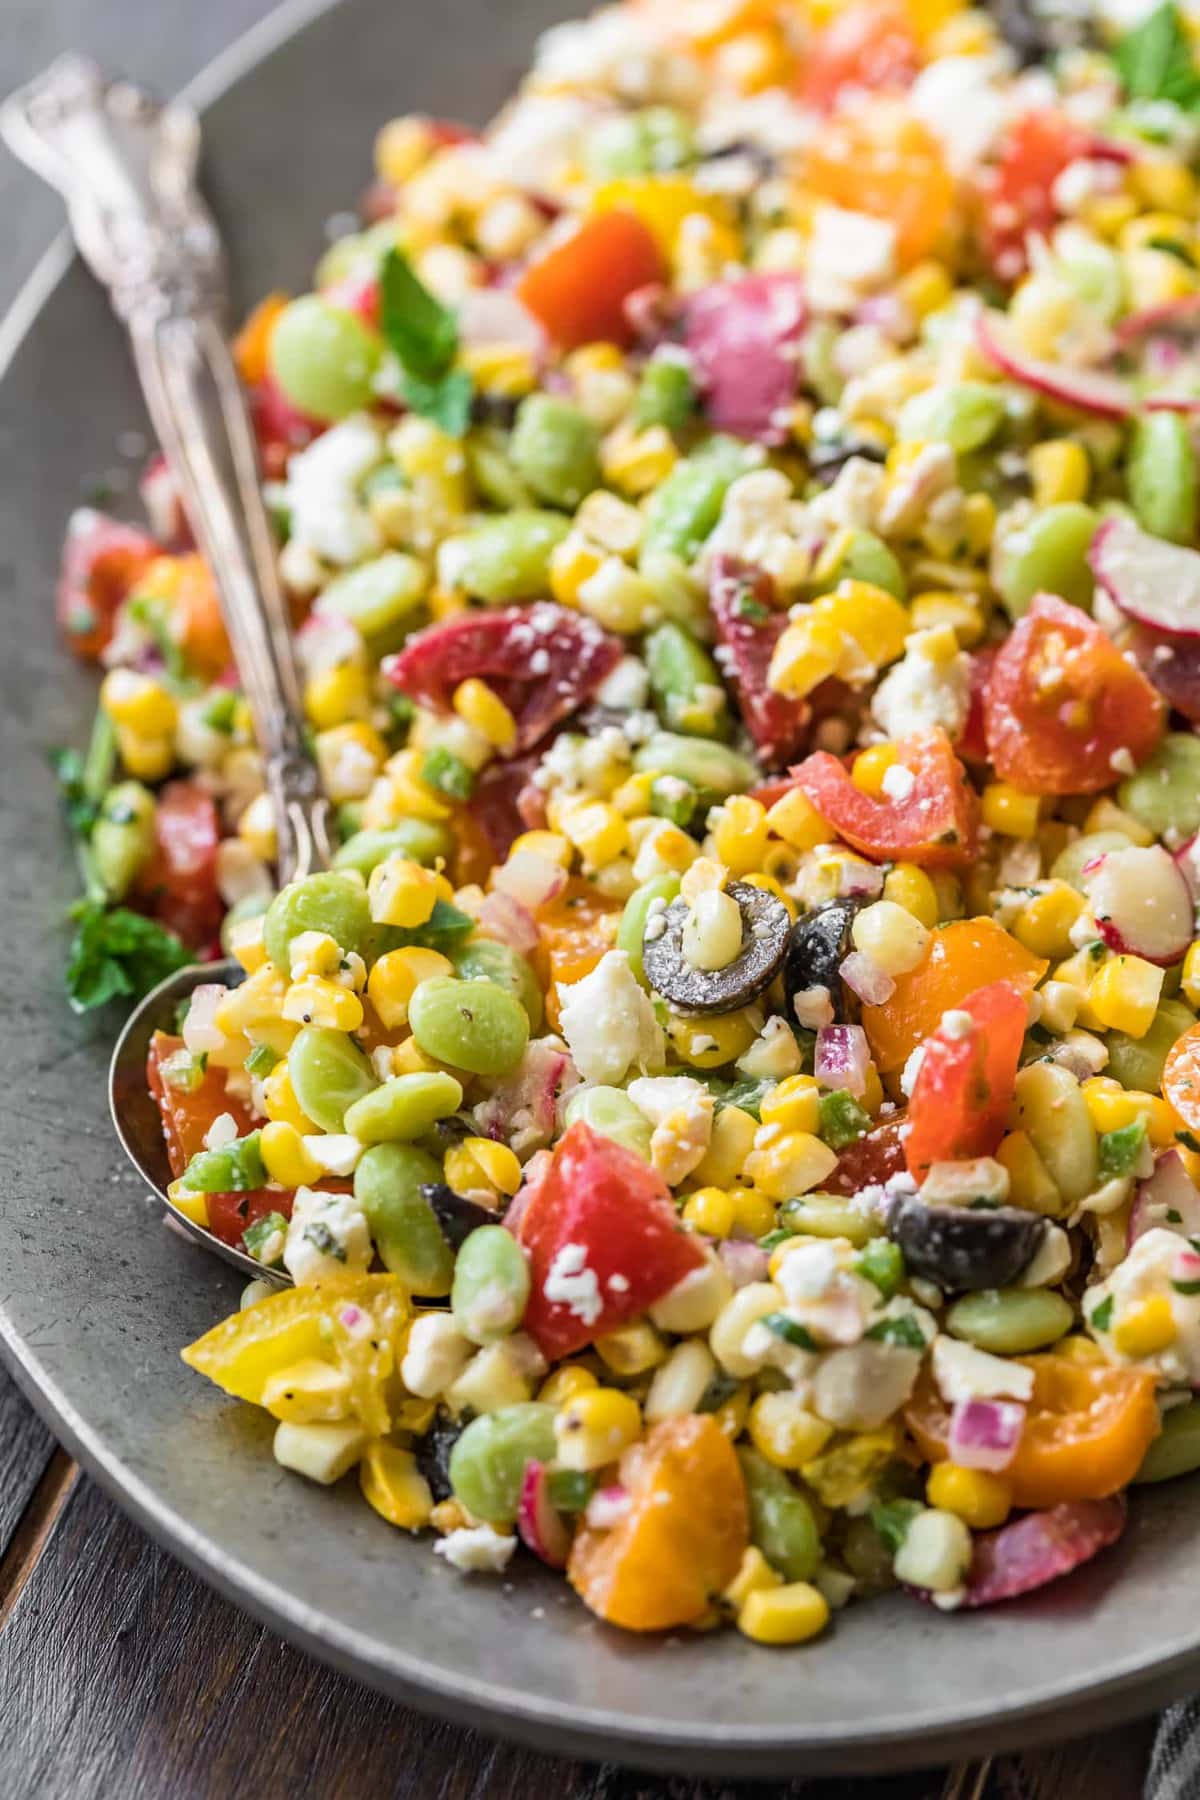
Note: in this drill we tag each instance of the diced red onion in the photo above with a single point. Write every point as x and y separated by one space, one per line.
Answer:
859 880
510 922
608 1506
984 1434
743 1261
530 878
873 985
842 1057
199 1031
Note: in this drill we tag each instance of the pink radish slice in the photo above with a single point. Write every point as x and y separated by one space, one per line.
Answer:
1171 663
1166 1200
1142 903
1151 581
1187 861
1176 316
539 1526
1039 1548
1090 390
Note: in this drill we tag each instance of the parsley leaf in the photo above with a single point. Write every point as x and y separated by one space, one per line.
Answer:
118 952
1101 1317
446 401
1155 60
422 332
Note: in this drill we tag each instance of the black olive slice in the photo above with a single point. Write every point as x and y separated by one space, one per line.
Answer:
765 926
457 1216
818 945
964 1248
432 1454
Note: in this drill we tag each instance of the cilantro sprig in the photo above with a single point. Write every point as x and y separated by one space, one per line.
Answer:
424 336
117 952
1155 60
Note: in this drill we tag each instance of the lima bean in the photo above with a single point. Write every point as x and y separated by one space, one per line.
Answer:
782 1525
1138 1062
1164 794
382 598
864 557
471 1025
1176 1451
827 1216
122 839
491 1285
492 471
685 681
713 768
1069 864
329 1074
387 1185
485 959
685 507
487 1463
610 1111
631 931
333 901
324 358
419 839
403 1107
555 450
1010 1321
1160 472
964 415
508 557
642 143
1054 1113
1048 554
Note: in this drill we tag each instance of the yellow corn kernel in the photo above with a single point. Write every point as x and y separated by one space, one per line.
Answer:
724 1161
1044 923
796 820
709 1210
481 1165
393 1485
788 1163
139 702
550 844
870 767
872 1096
1105 815
597 830
1156 230
395 977
784 1615
632 798
617 597
564 1383
785 1432
1146 1330
1108 214
246 943
895 941
632 1349
572 563
713 1039
1030 1183
334 695
1164 183
926 288
258 1001
507 371
280 1102
403 892
635 462
192 1206
256 828
754 1576
145 758
876 621
753 1212
793 1104
1006 809
401 146
1060 470
1112 1107
1124 996
979 522
595 1426
475 702
961 612
1190 978
731 1415
349 758
739 834
315 1001
807 654
1079 1349
284 1156
1155 277
910 887
979 1499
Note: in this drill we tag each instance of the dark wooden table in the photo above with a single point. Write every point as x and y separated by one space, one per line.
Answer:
121 1676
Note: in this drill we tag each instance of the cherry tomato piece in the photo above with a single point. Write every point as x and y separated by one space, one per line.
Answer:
1181 1077
577 288
178 886
870 1161
604 1243
959 953
102 561
870 45
1062 701
964 1085
936 826
1018 193
749 624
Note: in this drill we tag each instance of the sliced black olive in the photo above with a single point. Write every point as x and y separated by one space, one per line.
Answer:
432 1454
964 1248
829 456
818 945
765 926
457 1216
1038 32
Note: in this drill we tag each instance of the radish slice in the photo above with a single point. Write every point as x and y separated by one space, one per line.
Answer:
1166 1200
1179 316
1090 390
743 1261
539 1526
1039 1548
1187 861
1171 664
1142 903
1148 579
510 922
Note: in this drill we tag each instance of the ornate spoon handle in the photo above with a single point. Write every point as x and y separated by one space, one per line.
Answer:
127 168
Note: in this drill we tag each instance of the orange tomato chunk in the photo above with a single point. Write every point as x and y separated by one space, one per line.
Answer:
1181 1077
962 956
576 929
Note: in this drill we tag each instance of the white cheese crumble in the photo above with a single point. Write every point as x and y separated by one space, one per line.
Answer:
335 1152
850 253
476 1550
921 694
327 516
608 1021
222 1131
327 1235
571 1283
898 782
964 1373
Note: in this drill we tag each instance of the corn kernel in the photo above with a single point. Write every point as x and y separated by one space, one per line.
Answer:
482 1165
788 1163
401 146
1006 809
895 941
192 1206
1124 995
139 702
1190 978
395 977
709 1210
870 767
793 1104
636 462
874 619
1147 1330
349 757
796 820
632 1349
598 831
280 1102
713 1039
632 798
785 1432
1105 815
754 1575
247 945
979 522
315 1001
506 371
753 1212
258 1000
739 833
981 1500
1079 1349
1155 278
1111 1107
334 695
402 892
926 288
562 1384
961 612
284 1156
724 1162
475 702
1164 183
393 1485
807 654
784 1615
595 1426
1029 1181
1060 471
1044 923
256 828
910 887
550 844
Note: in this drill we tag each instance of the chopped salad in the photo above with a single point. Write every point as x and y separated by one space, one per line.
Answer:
731 1114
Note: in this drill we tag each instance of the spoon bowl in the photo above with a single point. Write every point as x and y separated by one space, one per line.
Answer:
135 1113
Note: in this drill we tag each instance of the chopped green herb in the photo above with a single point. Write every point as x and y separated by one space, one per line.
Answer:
1101 1318
773 1239
790 1330
882 1263
1188 1139
843 1120
1171 247
892 1518
262 1239
118 952
447 402
720 1389
424 336
1186 1287
1174 1216
569 1490
445 924
261 1060
904 1332
747 1096
80 809
448 773
321 1238
1120 1150
1155 60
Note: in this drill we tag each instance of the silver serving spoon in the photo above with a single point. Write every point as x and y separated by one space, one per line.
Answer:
126 166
